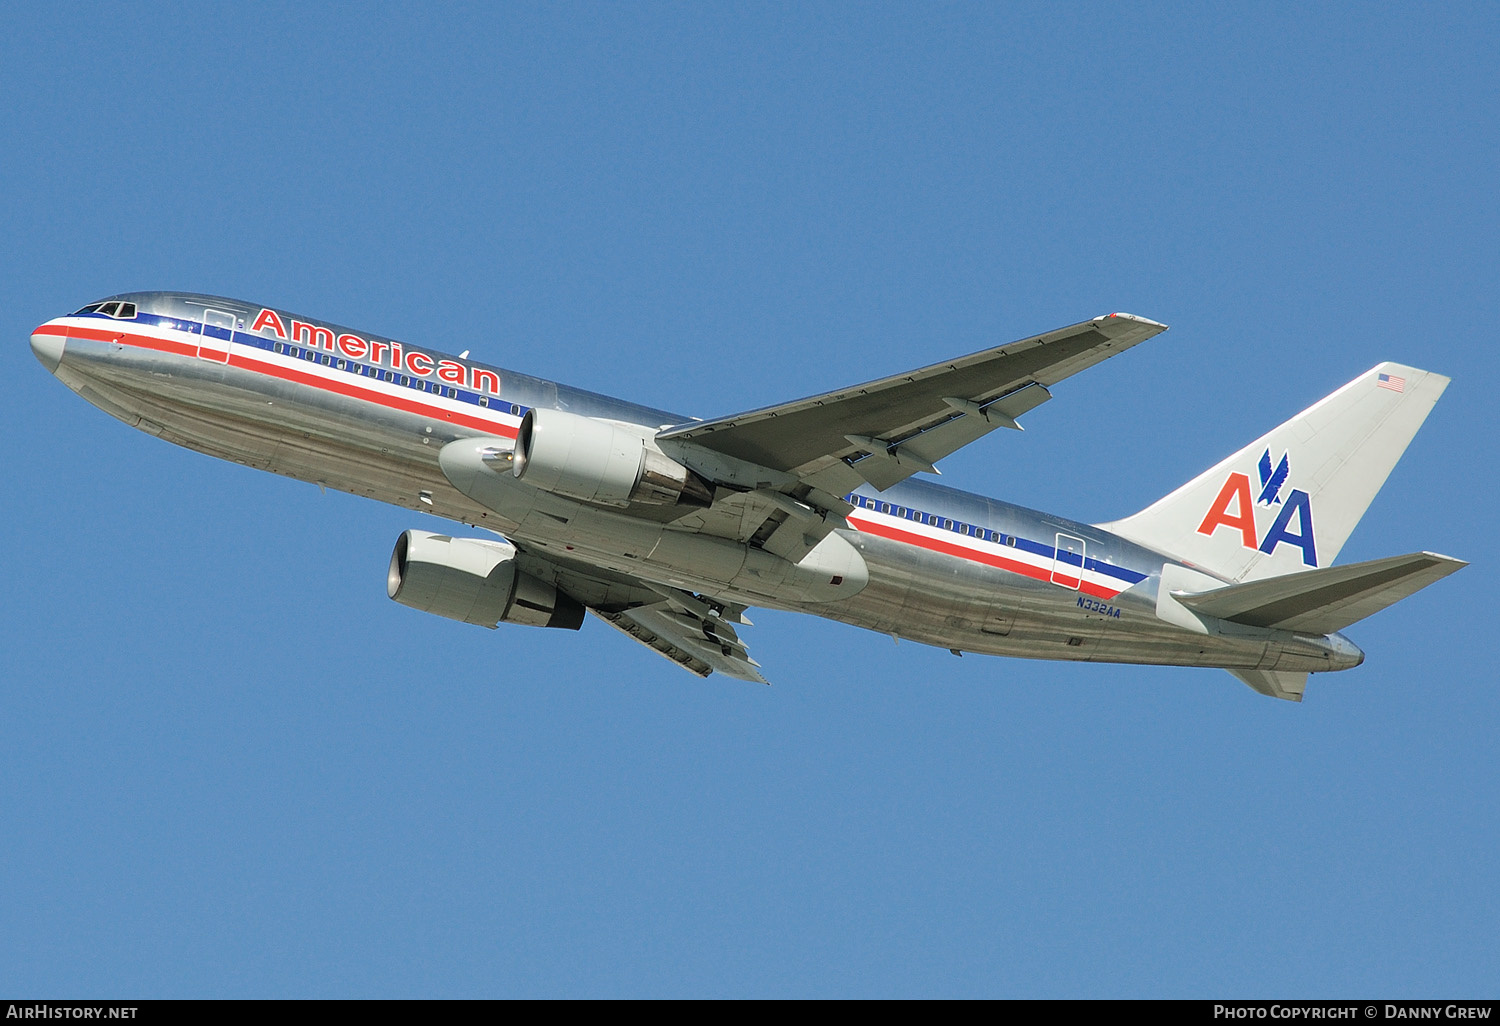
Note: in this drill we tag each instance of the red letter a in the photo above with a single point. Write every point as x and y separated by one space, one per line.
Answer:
268 319
1236 488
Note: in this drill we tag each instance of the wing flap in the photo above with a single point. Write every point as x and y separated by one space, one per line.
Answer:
695 632
1325 600
699 644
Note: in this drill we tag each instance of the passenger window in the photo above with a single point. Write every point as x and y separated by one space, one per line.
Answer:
484 400
1010 540
515 411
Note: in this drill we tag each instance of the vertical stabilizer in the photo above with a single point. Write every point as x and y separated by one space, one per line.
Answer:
1288 501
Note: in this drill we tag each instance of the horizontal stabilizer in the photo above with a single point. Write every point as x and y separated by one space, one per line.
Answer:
1287 684
1326 600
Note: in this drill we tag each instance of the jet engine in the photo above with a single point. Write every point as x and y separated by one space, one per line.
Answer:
476 581
597 462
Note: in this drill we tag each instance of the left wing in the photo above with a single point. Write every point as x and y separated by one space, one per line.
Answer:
884 431
695 632
699 644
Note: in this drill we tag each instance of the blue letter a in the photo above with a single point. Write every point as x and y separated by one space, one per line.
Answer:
1296 503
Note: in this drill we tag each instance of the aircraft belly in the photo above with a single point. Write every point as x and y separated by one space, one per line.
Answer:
940 600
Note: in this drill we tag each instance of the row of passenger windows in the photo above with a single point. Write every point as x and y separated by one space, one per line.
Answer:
907 513
119 311
380 374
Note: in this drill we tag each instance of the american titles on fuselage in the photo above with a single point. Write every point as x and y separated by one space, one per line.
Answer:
390 354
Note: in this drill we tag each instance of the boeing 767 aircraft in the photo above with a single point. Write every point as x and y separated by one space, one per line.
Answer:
669 528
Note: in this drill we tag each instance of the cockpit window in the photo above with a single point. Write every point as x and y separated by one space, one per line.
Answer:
119 311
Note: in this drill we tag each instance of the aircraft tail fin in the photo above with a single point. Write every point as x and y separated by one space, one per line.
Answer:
1285 684
1325 600
1288 501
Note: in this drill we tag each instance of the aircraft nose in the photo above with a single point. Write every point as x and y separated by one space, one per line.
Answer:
48 347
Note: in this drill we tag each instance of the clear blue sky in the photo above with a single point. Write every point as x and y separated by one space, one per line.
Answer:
232 767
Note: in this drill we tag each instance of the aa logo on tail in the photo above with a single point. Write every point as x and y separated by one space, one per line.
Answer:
1235 510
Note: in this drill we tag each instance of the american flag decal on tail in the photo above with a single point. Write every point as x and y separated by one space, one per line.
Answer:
1392 382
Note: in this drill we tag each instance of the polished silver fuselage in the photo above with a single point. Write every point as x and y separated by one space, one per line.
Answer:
324 417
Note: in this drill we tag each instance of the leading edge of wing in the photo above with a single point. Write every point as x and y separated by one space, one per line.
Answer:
889 404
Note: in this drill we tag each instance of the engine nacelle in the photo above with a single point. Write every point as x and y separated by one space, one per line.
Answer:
594 461
476 581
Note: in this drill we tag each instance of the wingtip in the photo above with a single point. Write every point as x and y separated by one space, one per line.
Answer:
1144 321
1454 561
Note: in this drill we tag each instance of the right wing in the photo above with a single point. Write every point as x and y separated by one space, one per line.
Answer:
886 430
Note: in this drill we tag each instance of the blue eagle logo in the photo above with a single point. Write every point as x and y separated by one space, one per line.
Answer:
1272 480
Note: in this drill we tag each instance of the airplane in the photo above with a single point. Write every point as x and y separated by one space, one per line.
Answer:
669 527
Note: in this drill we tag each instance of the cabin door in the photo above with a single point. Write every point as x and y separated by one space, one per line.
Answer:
1067 564
217 335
